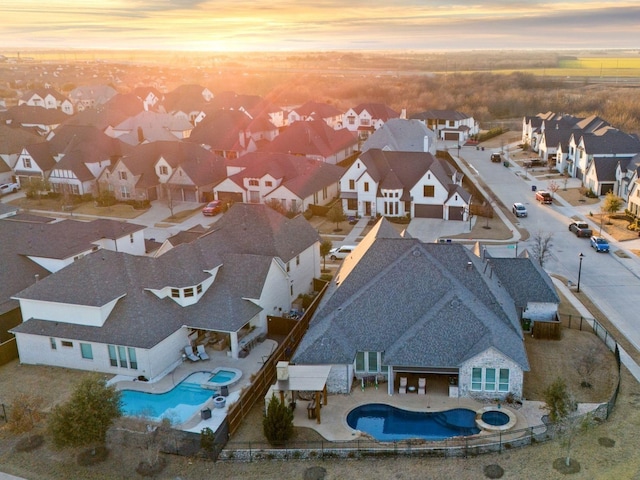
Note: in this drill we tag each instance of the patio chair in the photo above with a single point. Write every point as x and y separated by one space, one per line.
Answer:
202 353
188 351
422 386
403 385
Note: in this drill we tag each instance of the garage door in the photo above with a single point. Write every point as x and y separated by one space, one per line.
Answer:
606 188
230 197
451 136
456 213
428 211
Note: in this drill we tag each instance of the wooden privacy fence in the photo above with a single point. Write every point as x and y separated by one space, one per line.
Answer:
8 351
266 377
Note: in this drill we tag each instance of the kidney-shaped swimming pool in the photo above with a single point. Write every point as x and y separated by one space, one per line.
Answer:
387 423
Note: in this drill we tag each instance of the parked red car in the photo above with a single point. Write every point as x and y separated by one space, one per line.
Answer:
212 208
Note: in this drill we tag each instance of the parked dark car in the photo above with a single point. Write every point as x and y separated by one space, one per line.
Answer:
212 208
581 229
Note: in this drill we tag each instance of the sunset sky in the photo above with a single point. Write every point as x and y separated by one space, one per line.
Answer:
287 25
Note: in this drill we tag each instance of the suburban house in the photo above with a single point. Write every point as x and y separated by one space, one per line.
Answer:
606 142
366 118
449 125
39 120
316 140
225 132
90 96
401 184
180 171
82 153
401 135
627 172
398 307
294 182
151 127
150 97
534 127
48 98
633 201
316 111
253 105
12 140
187 102
117 313
34 162
35 247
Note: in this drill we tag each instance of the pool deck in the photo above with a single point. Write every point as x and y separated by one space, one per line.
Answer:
334 415
248 365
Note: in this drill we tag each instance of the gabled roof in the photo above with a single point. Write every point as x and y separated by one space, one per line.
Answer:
41 154
300 175
28 115
441 115
378 111
404 169
400 135
14 139
97 93
312 138
42 93
317 110
609 141
67 238
91 142
222 130
140 318
424 305
151 127
185 97
525 280
605 168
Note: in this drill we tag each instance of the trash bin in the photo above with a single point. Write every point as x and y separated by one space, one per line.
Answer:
205 413
505 163
224 391
533 188
219 402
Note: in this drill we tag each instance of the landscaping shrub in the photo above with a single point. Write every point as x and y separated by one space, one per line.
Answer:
93 456
278 422
29 443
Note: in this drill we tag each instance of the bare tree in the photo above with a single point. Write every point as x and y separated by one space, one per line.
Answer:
588 364
553 187
541 246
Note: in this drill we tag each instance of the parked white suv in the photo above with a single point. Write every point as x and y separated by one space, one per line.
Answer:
340 253
519 210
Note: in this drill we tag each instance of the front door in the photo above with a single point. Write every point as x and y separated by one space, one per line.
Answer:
367 209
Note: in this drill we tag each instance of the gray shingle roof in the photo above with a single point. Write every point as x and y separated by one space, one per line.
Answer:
400 135
243 245
525 280
421 304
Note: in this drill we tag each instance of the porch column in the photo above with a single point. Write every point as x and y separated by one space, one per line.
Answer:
390 380
234 344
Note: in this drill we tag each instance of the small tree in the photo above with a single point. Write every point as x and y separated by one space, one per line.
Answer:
278 422
25 413
612 203
562 409
36 186
541 248
276 205
325 248
553 187
336 215
588 364
86 417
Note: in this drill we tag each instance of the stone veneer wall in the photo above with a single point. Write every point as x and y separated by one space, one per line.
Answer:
490 358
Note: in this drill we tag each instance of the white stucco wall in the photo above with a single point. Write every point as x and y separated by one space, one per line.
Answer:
65 312
340 379
540 311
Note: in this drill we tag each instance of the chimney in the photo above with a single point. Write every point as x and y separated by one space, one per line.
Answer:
469 265
282 369
426 143
37 275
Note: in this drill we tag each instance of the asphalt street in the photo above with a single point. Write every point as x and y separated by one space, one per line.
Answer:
610 280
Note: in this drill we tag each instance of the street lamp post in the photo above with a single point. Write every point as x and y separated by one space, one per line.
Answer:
581 256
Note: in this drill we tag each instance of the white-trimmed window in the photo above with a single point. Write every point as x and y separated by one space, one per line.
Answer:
86 351
367 362
490 379
124 357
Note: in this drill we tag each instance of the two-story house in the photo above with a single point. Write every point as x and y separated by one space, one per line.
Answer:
403 184
449 125
311 110
402 135
316 140
225 132
48 98
117 313
366 118
294 182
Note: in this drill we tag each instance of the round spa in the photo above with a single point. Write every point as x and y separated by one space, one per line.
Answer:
222 377
495 419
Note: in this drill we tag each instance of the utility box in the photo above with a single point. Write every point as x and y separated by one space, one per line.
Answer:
282 369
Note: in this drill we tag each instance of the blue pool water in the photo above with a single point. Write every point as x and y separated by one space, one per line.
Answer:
177 405
495 418
387 423
223 376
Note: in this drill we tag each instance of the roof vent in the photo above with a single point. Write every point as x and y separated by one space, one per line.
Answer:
469 265
416 253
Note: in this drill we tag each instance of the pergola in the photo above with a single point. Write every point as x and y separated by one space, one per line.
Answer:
304 378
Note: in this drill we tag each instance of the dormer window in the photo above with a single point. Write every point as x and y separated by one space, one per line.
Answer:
175 293
254 183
